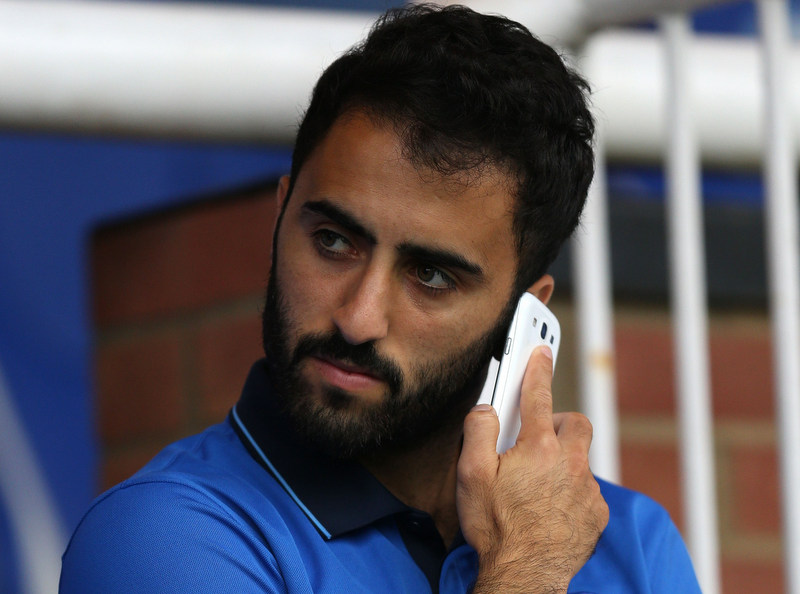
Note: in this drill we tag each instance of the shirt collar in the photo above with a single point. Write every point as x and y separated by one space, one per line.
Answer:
337 496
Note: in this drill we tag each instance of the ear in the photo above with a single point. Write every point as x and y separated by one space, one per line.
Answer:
283 191
543 288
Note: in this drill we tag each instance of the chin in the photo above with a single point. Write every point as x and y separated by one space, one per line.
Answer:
341 400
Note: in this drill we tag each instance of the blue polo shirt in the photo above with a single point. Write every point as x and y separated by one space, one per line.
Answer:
244 507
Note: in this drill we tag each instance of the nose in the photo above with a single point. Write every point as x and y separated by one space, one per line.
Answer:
364 314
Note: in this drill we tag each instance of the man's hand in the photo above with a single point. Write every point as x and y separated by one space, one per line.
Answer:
533 514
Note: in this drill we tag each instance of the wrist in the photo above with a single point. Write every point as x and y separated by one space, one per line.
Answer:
529 574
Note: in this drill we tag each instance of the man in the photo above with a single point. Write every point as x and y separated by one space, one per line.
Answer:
437 171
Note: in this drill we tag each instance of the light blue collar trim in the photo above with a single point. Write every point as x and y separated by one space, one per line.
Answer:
278 476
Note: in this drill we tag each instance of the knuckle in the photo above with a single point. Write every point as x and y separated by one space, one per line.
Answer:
547 445
466 469
478 421
475 416
583 423
540 392
539 401
579 424
471 471
577 463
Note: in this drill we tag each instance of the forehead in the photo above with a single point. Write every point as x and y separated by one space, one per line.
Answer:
361 167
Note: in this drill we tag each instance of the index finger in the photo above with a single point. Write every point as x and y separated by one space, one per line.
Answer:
536 399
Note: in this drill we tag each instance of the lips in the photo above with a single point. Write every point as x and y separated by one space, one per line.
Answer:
345 376
348 367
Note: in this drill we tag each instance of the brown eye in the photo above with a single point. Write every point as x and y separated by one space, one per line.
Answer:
426 273
328 238
433 278
332 242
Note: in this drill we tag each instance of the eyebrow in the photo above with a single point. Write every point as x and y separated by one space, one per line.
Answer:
441 257
341 217
436 256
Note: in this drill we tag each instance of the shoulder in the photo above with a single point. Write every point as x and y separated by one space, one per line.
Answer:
641 550
184 523
632 509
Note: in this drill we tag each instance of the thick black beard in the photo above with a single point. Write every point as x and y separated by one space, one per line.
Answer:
341 426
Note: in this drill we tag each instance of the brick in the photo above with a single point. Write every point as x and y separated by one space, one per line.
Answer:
133 270
756 493
226 349
139 386
653 470
227 251
746 577
739 357
741 374
118 466
645 368
182 260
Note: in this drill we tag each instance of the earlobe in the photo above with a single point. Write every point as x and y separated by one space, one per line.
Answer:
282 191
543 288
281 195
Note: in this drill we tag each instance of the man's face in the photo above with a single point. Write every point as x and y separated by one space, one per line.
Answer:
390 288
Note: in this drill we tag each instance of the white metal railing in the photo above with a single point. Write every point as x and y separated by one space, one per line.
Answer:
592 279
165 69
783 270
689 307
591 262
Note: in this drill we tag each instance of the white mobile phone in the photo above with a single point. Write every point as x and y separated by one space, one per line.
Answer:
533 325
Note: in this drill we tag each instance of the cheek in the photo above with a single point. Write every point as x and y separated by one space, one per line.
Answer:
309 297
436 338
300 296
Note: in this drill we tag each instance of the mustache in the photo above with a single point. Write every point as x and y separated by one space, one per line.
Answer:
364 355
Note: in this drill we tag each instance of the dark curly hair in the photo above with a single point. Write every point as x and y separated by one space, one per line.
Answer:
465 90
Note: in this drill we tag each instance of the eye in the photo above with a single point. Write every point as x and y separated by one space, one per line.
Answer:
433 278
331 242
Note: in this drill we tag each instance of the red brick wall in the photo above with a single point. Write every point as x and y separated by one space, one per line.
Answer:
746 474
177 300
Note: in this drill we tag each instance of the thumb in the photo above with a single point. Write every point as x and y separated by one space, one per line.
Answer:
479 452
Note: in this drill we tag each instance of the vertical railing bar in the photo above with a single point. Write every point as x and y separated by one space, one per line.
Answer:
594 312
689 307
783 268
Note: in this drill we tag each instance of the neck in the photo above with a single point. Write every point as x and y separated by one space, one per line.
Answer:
424 477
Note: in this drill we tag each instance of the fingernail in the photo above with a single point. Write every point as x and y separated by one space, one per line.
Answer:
483 408
546 351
